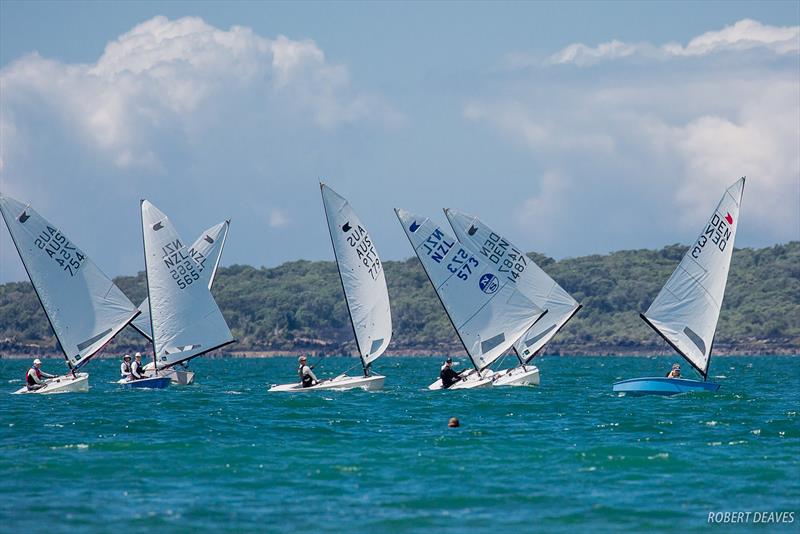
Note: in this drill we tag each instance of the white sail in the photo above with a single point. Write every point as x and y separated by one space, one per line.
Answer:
529 278
485 307
686 310
362 276
206 252
186 321
85 308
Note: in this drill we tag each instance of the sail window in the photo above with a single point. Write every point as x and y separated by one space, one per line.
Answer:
492 342
91 341
539 336
697 340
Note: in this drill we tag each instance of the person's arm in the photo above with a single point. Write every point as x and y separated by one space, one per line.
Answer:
312 375
36 379
47 375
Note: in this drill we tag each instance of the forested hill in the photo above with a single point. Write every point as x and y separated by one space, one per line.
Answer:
300 306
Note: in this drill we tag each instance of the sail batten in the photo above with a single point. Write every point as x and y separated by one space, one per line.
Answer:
84 306
485 308
185 320
361 275
523 272
686 310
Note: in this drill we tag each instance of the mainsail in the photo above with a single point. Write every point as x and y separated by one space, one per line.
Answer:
361 273
529 278
85 308
206 252
487 310
686 310
186 321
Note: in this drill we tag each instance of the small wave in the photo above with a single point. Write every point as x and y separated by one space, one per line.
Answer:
71 446
756 431
232 392
659 456
54 425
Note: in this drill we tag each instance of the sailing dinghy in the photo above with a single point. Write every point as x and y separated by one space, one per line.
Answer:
85 308
531 281
206 252
185 321
686 311
365 291
486 309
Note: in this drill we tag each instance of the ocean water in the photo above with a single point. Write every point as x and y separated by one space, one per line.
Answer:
223 455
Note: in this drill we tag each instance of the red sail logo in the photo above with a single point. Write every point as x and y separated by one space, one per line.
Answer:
729 218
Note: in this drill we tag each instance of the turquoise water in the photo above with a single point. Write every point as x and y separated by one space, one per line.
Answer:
223 455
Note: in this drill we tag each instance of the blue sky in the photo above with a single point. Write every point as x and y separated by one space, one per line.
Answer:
574 128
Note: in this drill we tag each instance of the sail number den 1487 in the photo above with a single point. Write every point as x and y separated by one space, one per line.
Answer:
60 249
497 249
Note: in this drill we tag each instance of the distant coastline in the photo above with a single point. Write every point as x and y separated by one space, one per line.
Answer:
298 307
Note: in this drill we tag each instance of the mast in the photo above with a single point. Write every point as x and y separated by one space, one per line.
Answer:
149 299
341 281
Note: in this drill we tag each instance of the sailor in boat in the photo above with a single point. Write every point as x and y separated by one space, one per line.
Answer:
137 370
448 375
35 377
307 376
676 371
125 369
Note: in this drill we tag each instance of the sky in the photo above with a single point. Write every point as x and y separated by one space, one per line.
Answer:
572 128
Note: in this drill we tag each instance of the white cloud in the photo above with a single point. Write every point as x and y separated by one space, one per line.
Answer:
156 78
278 218
654 147
745 34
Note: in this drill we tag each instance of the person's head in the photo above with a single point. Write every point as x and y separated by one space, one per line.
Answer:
453 422
302 360
37 363
138 356
127 358
448 362
676 369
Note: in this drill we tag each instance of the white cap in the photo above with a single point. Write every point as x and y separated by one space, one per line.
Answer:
138 354
126 357
37 360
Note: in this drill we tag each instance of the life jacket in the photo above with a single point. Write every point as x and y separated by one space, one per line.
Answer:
29 379
306 379
126 370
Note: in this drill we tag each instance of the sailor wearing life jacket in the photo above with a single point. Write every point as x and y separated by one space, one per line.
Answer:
125 367
307 376
35 377
137 370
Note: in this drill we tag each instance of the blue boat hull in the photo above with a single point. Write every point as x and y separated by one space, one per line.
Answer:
662 386
155 382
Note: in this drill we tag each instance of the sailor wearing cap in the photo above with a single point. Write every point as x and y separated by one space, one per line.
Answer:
448 375
125 367
676 371
35 377
307 376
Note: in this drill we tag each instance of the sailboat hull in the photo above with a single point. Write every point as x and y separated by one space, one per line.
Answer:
518 376
152 382
470 380
663 386
340 383
60 384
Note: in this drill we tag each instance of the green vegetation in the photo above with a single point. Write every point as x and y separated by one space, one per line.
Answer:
299 305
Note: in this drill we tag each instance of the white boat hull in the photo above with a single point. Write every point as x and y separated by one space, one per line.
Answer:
518 376
470 380
60 384
340 383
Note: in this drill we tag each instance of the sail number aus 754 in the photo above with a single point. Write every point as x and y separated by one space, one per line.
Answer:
58 247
